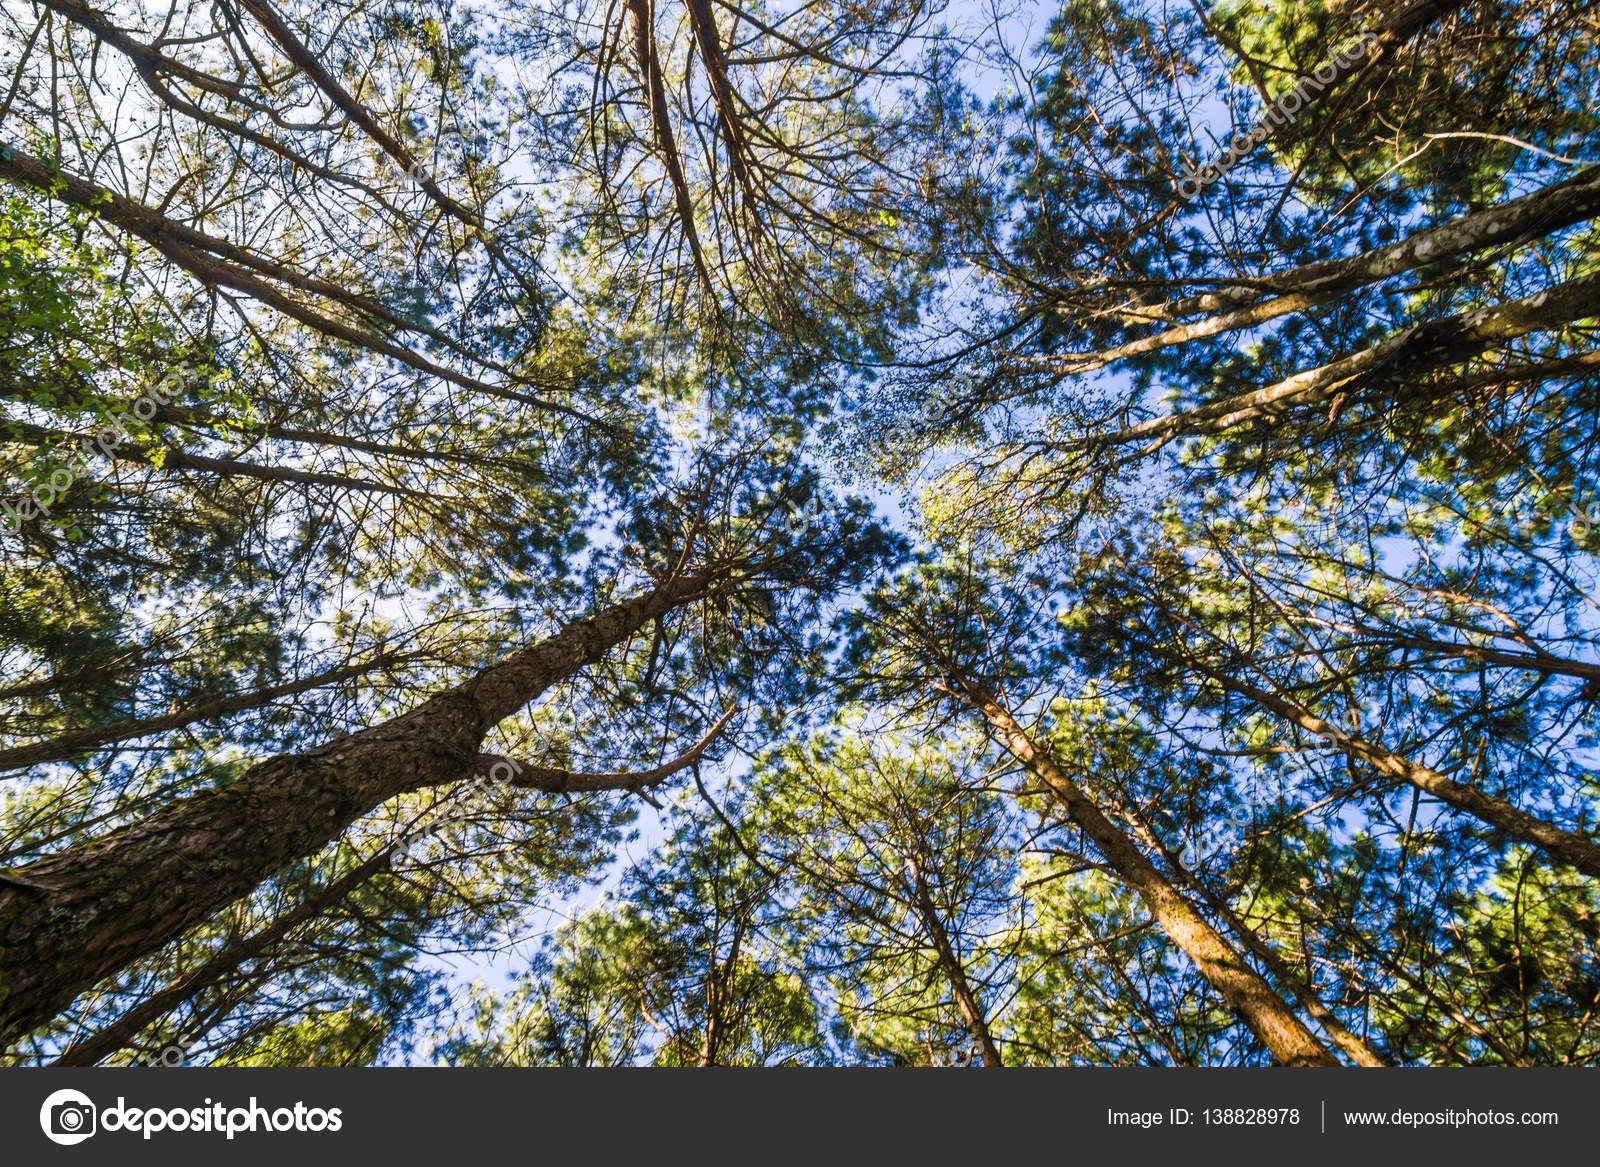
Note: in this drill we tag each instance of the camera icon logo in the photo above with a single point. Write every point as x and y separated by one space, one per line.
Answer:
67 1117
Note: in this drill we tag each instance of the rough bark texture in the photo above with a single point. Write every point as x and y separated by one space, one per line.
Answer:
1396 361
119 1035
1349 1044
1249 995
71 919
1516 221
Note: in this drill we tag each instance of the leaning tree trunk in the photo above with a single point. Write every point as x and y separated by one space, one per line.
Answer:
955 973
1349 1044
1564 847
94 1048
71 919
1255 1001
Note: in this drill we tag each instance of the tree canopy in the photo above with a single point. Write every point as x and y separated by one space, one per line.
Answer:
833 533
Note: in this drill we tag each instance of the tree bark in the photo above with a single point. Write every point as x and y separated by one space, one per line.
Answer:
1255 1001
1349 1044
1565 847
75 743
1421 349
1512 223
71 919
223 966
217 262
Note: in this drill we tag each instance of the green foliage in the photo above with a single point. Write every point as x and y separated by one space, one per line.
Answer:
1268 539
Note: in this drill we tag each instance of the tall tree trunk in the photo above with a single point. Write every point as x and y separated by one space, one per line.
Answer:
222 967
1372 372
1537 215
1565 847
1247 992
68 920
1349 1044
955 973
